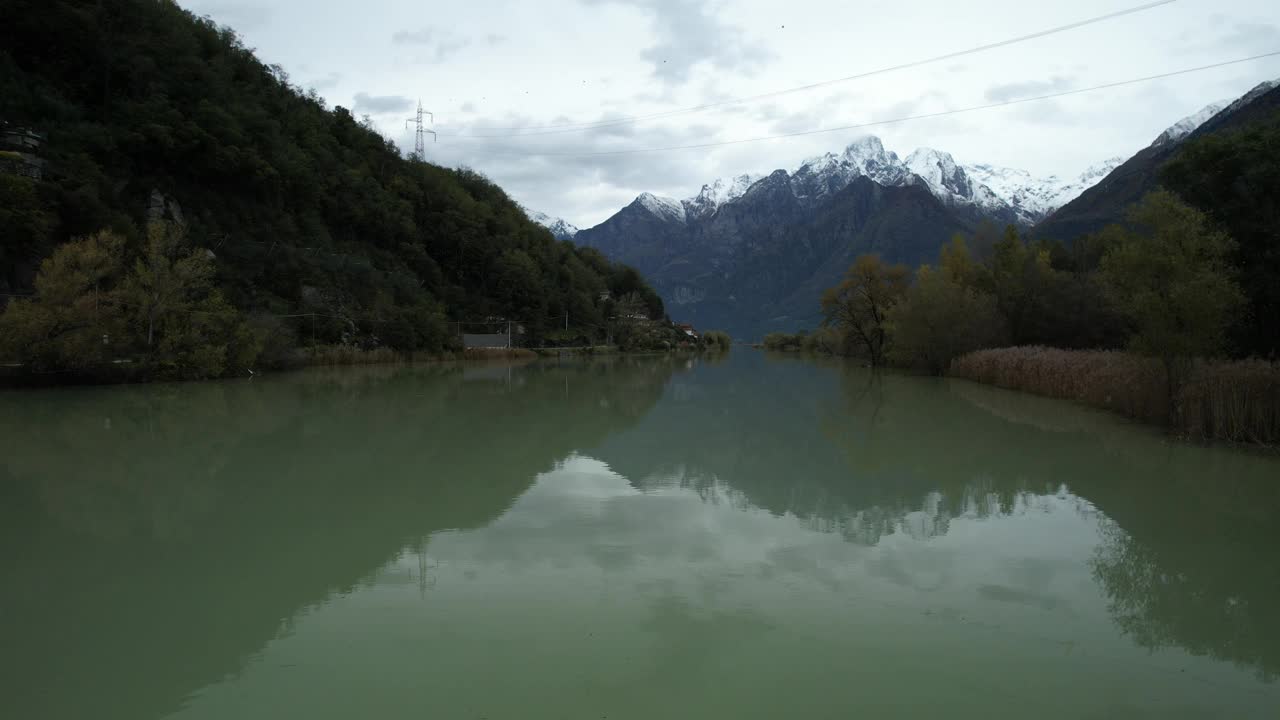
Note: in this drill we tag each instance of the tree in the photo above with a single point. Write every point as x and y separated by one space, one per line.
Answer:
860 304
184 326
717 340
308 209
939 319
1234 178
74 321
1169 275
957 262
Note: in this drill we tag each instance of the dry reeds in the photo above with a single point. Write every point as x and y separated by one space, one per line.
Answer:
1231 401
1128 384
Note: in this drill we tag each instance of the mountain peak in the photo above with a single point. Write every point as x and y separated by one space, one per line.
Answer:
822 175
927 158
715 194
863 146
663 208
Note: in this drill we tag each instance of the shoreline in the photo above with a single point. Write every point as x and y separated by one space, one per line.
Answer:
13 377
1229 403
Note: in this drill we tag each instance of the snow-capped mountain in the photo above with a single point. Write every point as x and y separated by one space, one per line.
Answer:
560 229
1258 91
953 183
715 194
1187 125
1105 202
662 207
823 175
1003 194
751 254
1033 198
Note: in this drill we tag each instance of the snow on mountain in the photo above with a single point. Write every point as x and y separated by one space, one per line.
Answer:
1258 90
1033 198
1188 124
823 175
998 192
663 207
951 182
1073 188
715 194
560 229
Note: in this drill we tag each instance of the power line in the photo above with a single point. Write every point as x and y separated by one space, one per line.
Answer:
584 126
873 123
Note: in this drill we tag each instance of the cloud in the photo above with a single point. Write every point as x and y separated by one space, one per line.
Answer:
438 45
688 35
382 104
327 82
582 189
1015 91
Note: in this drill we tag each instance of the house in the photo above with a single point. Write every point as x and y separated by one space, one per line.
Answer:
21 140
18 153
688 330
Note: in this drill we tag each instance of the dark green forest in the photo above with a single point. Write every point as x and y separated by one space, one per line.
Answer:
299 223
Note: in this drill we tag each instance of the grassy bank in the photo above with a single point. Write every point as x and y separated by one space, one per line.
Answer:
1235 401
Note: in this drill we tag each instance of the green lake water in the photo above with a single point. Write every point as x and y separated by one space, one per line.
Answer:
752 537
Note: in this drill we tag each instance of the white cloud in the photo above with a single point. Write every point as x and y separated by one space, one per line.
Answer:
511 62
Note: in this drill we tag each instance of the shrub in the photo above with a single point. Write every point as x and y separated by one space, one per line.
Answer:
716 340
784 341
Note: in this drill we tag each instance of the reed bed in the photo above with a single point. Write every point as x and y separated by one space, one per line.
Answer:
1232 401
1127 384
1220 401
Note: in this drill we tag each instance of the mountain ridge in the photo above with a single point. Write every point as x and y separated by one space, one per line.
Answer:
753 253
1106 201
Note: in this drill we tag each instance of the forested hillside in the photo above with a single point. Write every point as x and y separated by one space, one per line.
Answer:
149 114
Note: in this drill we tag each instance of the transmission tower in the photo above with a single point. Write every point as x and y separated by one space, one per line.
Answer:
420 147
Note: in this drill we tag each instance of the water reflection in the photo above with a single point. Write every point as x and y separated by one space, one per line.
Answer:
630 537
189 522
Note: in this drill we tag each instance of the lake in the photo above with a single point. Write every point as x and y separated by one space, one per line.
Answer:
744 537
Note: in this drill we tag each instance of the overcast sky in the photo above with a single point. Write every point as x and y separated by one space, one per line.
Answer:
512 63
